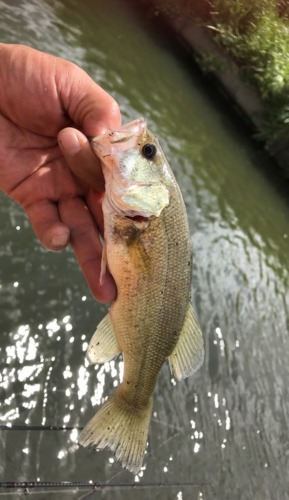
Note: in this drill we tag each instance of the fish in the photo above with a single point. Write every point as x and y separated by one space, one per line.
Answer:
147 249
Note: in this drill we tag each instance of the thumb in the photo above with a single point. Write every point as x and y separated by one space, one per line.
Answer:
88 105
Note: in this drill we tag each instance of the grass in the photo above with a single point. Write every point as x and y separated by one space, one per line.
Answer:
256 35
260 43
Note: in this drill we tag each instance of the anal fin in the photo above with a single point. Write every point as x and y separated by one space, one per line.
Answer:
103 345
188 354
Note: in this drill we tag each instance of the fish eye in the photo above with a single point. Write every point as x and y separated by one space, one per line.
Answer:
149 151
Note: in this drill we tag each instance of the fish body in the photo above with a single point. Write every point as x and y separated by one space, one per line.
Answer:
147 250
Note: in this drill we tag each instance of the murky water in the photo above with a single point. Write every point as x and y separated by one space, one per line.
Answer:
223 433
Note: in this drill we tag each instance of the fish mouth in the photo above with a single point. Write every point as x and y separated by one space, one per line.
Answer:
127 131
138 218
123 138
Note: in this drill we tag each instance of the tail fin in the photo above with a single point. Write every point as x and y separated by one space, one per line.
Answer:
122 428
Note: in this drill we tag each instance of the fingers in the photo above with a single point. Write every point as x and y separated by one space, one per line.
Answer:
86 244
44 218
80 158
76 226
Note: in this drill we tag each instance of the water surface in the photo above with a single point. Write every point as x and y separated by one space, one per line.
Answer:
224 432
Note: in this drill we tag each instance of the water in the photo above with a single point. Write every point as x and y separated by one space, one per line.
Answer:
224 432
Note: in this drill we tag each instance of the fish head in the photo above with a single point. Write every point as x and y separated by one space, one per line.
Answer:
136 172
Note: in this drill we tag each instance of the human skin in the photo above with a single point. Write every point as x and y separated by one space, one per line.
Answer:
48 108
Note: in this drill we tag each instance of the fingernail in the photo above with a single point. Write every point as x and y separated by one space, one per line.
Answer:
69 141
59 241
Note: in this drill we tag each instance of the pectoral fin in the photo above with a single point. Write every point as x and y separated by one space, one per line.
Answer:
103 345
103 264
188 354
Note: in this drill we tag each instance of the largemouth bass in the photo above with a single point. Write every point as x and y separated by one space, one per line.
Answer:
147 250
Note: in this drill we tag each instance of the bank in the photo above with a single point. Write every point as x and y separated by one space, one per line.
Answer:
217 41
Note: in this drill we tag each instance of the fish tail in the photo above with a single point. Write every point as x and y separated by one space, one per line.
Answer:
121 427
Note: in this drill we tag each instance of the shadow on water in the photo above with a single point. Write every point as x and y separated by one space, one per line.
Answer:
222 433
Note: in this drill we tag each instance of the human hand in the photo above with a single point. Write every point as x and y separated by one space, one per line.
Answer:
40 95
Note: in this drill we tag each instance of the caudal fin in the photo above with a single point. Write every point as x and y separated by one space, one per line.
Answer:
122 428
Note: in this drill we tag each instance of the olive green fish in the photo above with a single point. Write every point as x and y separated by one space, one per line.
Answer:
147 250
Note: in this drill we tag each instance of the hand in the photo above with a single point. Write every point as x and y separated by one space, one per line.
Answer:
40 95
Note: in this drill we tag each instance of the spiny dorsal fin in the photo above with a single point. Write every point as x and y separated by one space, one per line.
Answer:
188 354
103 345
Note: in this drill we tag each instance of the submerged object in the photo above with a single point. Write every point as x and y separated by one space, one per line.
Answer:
147 250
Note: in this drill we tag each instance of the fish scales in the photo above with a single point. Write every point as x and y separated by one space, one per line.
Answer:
159 320
148 252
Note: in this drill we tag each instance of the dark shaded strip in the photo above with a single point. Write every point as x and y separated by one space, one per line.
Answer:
8 427
81 484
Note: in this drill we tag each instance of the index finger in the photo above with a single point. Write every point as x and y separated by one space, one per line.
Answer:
81 159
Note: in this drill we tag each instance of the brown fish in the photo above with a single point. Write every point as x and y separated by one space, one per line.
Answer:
148 252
